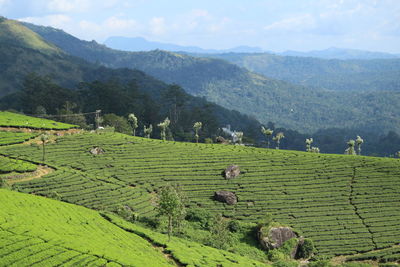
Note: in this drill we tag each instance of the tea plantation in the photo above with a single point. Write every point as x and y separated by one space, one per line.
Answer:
10 119
346 204
36 231
8 138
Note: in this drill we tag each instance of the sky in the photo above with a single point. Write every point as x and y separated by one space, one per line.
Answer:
272 25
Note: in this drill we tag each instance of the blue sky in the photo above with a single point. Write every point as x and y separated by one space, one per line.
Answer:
270 24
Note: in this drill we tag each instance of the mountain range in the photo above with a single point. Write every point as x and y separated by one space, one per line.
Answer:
303 108
137 44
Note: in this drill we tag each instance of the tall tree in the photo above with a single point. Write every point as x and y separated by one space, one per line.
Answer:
147 131
278 138
175 97
133 122
171 203
197 126
44 138
164 126
350 149
359 142
309 141
267 132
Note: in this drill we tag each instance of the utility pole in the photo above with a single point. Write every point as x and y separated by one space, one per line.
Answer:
97 118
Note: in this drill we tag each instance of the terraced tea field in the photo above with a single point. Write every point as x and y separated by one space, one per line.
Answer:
346 204
8 138
9 119
36 231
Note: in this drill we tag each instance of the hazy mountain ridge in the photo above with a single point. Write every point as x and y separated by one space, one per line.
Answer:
340 53
333 74
137 44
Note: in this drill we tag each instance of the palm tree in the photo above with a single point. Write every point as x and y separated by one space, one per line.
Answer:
309 141
267 132
350 150
133 121
238 136
359 142
164 126
44 138
278 138
148 131
197 126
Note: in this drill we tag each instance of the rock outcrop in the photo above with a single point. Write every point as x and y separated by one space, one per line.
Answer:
226 197
274 237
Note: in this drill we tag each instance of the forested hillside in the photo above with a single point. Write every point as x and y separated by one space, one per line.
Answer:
333 74
266 99
36 77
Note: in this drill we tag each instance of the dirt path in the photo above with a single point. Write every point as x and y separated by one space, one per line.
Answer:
39 173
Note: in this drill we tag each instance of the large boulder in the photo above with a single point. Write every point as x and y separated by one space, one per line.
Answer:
274 237
232 172
226 197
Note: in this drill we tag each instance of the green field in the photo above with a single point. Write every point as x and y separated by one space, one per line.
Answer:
346 204
391 254
9 119
42 232
36 231
8 165
8 138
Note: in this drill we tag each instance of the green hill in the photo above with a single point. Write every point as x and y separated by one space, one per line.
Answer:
36 231
346 204
15 34
10 119
267 99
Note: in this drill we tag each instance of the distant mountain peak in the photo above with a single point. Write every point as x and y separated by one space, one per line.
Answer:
340 53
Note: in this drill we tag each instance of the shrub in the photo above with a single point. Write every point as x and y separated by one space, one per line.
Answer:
234 226
127 213
275 255
202 216
208 141
306 250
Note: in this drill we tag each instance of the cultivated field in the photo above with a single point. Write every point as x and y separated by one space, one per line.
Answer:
346 204
9 119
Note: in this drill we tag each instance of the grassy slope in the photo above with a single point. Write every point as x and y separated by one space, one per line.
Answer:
13 33
9 119
347 204
44 232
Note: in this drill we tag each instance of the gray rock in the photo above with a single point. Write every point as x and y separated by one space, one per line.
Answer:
232 172
96 150
275 237
226 196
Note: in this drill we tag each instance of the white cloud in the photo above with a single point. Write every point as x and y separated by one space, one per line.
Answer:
56 20
115 23
65 6
292 24
158 26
